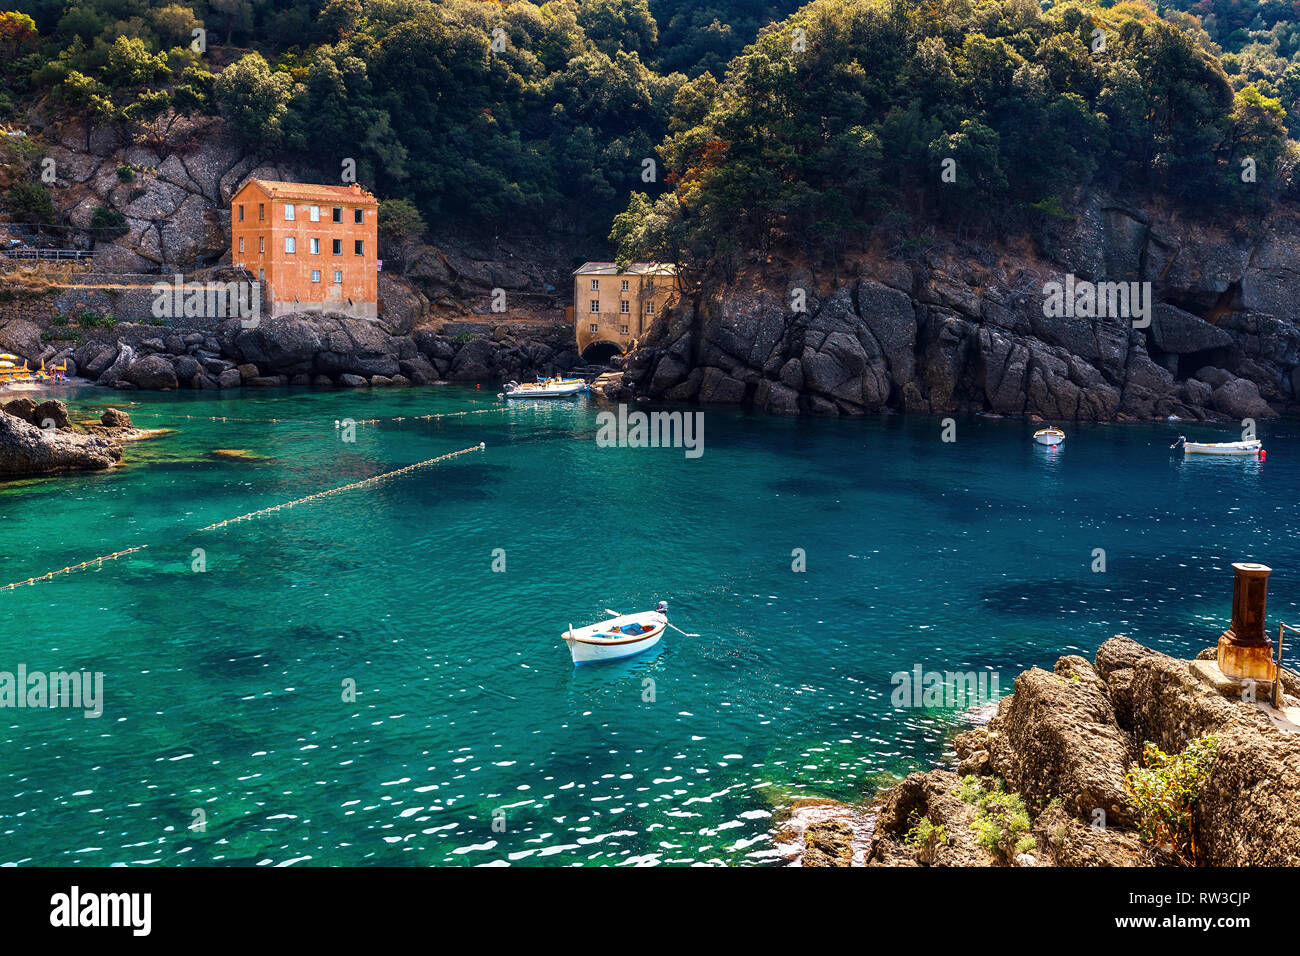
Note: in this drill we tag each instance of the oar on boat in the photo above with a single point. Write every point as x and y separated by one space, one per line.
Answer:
673 626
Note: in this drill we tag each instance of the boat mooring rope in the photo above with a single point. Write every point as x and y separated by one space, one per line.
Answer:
365 482
374 480
76 567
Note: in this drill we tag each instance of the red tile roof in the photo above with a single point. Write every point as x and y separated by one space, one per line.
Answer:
312 192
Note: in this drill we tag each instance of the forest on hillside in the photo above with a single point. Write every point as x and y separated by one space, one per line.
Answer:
697 131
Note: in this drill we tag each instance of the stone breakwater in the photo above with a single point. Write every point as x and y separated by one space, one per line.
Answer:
1063 743
303 349
964 327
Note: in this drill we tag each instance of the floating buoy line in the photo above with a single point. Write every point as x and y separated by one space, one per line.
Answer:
364 483
76 567
337 421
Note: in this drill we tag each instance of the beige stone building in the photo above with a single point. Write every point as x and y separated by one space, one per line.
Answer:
613 309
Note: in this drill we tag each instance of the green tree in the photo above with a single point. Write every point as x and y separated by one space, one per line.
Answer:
253 99
108 224
401 230
130 64
30 202
175 24
87 97
615 25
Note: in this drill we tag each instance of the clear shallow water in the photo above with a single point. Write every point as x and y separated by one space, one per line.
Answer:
224 689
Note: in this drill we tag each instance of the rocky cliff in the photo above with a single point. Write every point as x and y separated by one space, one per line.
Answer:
440 320
314 348
1061 745
967 327
175 199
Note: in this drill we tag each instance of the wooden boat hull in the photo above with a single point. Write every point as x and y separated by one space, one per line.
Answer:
1239 448
605 642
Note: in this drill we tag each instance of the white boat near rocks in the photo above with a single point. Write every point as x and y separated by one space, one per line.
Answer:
1238 448
1051 436
546 388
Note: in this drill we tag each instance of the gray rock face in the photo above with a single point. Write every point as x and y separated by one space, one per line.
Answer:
1057 736
1239 398
51 414
1064 742
116 371
26 449
152 372
958 330
719 388
21 338
1173 330
403 305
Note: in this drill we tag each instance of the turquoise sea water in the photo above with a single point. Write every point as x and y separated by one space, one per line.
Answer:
224 690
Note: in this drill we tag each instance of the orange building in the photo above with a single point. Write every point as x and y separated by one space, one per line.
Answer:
314 248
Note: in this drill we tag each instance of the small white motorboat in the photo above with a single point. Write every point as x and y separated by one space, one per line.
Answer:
1239 448
621 636
1051 436
545 388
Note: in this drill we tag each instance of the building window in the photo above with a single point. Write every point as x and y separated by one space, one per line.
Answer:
649 308
622 329
315 247
595 327
338 213
338 276
624 285
650 288
261 244
241 245
314 212
261 275
624 307
261 210
359 247
358 216
315 275
290 244
337 247
289 212
595 305
595 285
241 213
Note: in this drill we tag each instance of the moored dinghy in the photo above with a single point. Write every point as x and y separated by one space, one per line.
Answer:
1240 448
622 636
1051 436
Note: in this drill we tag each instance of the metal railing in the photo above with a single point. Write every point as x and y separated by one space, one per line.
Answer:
75 254
1277 683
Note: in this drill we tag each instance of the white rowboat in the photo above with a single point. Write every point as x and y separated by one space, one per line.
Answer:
1049 436
1240 448
621 636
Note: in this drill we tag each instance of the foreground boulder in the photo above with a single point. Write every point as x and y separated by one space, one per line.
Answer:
26 449
1057 737
1063 743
